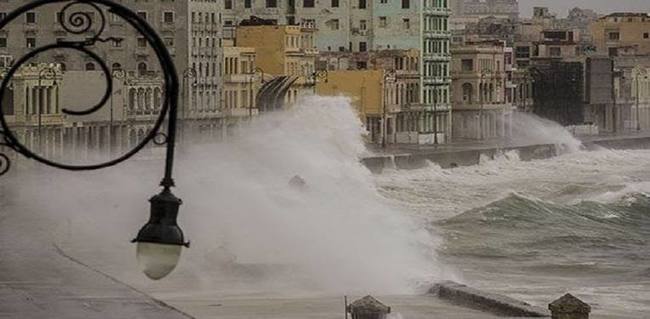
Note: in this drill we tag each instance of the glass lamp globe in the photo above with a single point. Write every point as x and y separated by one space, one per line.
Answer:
157 260
160 240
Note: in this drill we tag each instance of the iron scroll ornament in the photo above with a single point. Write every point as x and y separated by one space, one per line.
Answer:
79 23
160 240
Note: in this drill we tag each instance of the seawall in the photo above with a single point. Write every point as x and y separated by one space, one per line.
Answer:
469 156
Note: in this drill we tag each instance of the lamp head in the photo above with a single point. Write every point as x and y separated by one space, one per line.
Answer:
160 240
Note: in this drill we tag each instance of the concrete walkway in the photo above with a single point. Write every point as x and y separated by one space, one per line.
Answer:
39 281
410 307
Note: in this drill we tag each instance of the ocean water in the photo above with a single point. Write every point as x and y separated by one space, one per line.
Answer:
576 223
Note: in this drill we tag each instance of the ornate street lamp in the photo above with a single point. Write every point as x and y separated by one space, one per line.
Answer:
160 240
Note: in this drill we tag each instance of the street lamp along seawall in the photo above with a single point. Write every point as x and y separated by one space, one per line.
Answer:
160 240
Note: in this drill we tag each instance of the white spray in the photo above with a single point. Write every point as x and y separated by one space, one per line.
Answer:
247 224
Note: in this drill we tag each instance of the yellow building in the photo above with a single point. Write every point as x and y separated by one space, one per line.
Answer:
368 91
622 33
240 82
283 50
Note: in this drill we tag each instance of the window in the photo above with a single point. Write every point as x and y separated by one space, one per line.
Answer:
613 51
363 46
335 3
362 4
3 42
614 36
646 35
59 17
406 4
363 25
468 92
333 24
247 4
228 4
30 17
308 3
271 3
116 66
406 23
168 17
383 22
143 15
467 65
142 68
90 66
142 42
555 51
117 43
31 42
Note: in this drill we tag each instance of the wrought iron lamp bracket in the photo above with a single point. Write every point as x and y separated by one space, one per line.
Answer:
76 23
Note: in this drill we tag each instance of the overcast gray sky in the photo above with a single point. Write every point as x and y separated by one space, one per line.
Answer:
561 7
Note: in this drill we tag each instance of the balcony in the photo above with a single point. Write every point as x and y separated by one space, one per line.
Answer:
436 80
437 11
240 112
437 34
238 78
311 51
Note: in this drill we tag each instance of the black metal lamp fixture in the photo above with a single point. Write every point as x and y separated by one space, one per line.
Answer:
160 241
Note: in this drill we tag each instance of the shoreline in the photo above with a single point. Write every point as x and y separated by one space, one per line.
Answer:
409 157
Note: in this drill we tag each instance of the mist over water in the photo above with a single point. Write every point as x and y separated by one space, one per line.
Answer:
251 232
530 129
533 230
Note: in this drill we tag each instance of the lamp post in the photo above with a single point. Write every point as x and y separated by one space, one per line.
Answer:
251 99
482 90
160 240
638 72
117 74
188 73
47 72
388 75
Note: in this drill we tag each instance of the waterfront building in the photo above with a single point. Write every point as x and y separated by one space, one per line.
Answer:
508 9
632 91
625 33
240 83
557 43
282 50
558 90
191 31
32 107
406 122
362 25
480 106
370 92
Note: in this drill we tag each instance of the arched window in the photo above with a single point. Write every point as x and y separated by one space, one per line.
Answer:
116 66
156 98
142 68
132 100
468 92
147 100
90 66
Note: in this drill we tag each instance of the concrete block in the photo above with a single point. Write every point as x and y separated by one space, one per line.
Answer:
493 303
